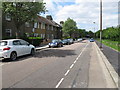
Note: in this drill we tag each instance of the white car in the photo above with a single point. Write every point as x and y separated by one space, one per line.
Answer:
14 48
79 39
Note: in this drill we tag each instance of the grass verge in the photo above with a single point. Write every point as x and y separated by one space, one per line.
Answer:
113 44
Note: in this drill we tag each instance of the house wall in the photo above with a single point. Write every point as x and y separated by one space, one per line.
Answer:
49 32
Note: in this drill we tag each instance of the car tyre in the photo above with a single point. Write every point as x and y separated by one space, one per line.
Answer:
32 52
13 56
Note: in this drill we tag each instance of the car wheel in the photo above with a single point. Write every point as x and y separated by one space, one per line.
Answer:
13 56
60 45
32 52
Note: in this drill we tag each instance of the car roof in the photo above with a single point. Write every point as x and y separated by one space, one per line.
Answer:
10 39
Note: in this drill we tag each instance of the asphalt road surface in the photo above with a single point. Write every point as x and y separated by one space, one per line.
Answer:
65 67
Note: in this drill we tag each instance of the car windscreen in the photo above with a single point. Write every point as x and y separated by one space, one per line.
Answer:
65 40
54 41
3 43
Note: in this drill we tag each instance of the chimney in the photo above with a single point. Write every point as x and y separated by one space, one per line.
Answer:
49 17
61 23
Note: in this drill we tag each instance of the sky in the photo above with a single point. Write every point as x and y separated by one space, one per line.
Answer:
84 12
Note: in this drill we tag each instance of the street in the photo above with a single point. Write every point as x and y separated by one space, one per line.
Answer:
73 66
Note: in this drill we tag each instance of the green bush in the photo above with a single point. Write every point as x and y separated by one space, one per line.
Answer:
36 41
34 38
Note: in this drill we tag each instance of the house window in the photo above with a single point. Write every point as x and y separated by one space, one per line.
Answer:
52 28
27 24
35 25
36 34
42 35
48 36
42 25
52 36
8 32
8 17
38 25
48 27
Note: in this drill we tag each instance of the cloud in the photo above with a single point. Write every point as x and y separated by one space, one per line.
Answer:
84 12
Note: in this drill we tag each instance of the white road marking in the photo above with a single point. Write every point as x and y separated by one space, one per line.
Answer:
77 58
59 83
75 61
67 72
71 66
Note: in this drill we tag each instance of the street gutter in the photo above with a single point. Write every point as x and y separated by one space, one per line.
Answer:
40 48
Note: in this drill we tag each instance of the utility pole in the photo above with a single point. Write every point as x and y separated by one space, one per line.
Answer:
100 23
94 30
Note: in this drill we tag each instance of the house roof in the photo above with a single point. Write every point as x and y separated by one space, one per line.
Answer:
47 21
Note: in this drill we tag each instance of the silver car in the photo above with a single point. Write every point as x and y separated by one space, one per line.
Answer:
14 48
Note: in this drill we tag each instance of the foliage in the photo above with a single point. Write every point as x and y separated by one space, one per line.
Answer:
22 12
111 33
34 38
83 33
69 26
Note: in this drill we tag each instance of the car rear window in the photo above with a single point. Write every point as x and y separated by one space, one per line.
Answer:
3 43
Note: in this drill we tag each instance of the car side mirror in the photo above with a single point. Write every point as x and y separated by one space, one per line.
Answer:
28 44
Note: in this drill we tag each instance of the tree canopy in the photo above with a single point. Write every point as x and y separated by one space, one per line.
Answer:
111 33
69 26
22 12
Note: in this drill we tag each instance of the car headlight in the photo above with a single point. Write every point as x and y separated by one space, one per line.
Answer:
55 43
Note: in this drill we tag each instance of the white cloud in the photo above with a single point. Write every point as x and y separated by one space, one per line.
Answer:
84 12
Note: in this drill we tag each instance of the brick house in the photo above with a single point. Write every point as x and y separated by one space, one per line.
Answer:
45 28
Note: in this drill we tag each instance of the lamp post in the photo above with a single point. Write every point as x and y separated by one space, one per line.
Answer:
94 29
100 23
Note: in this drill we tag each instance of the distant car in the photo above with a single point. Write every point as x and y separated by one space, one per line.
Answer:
71 41
65 42
79 39
14 48
84 38
91 40
56 43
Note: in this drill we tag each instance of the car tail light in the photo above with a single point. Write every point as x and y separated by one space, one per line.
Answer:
8 48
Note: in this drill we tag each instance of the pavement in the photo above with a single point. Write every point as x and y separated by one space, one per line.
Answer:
112 56
43 47
79 65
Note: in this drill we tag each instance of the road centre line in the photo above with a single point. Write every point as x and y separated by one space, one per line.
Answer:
77 58
71 66
67 72
59 83
74 61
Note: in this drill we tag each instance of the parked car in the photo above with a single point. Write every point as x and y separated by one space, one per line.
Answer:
91 40
56 43
79 39
65 42
14 48
71 41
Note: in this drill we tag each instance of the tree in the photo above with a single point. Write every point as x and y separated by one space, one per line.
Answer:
69 27
22 12
111 33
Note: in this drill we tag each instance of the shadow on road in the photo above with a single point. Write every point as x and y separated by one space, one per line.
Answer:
21 58
54 53
44 53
